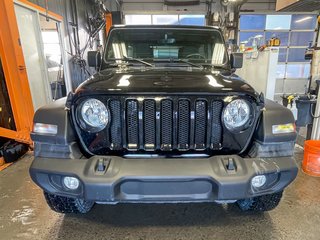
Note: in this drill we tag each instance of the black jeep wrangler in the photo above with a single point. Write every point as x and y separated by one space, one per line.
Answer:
165 119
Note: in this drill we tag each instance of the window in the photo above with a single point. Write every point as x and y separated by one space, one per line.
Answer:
296 55
278 22
200 47
196 20
252 22
51 45
138 19
282 55
303 22
165 19
301 38
248 37
298 71
281 71
283 36
148 19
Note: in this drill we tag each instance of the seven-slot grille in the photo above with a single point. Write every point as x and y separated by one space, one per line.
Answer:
165 124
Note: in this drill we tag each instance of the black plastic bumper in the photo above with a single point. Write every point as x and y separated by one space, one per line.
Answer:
164 180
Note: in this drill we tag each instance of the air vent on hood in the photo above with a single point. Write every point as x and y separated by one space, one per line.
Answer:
298 5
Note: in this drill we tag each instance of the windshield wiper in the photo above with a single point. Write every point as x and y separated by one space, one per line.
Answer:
215 66
187 62
130 59
173 60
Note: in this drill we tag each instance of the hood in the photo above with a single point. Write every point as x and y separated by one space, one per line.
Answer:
165 81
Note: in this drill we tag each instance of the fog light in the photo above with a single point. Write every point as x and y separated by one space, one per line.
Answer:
258 181
71 182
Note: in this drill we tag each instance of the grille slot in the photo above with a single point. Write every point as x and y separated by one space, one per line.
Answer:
149 124
183 124
115 127
216 129
200 132
132 124
166 125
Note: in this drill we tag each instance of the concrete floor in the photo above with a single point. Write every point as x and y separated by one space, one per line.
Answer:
25 215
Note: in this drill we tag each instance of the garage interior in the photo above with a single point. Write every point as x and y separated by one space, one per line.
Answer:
44 49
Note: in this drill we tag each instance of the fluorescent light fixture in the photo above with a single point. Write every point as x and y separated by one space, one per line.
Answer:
213 82
303 19
124 81
46 129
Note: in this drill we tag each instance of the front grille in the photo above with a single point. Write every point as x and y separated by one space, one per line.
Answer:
166 124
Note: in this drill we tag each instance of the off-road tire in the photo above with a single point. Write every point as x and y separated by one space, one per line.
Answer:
67 205
261 203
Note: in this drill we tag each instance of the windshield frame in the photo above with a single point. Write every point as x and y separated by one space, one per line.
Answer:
105 61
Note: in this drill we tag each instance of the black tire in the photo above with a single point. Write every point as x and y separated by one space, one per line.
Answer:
261 203
67 205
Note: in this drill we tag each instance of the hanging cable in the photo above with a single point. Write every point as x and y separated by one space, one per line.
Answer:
47 11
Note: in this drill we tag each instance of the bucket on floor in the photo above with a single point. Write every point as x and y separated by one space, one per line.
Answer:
311 159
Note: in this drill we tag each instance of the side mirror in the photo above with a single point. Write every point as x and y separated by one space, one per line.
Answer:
94 59
236 60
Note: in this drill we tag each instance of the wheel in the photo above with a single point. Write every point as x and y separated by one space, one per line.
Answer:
261 203
67 205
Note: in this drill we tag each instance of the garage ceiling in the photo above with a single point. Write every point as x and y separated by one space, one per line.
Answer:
298 6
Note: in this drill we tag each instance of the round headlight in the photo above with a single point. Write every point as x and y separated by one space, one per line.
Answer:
94 114
236 114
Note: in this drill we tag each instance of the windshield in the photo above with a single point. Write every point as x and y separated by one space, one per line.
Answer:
204 47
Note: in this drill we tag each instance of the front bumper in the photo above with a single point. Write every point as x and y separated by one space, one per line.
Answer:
163 179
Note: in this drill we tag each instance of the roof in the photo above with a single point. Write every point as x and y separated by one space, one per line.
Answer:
166 26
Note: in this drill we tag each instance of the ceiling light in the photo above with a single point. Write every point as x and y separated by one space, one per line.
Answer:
303 19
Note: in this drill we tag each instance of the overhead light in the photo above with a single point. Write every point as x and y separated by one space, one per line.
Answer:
303 19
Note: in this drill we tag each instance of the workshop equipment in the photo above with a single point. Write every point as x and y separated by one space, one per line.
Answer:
306 107
274 42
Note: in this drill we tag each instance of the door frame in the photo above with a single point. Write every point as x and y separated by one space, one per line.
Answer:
14 69
61 32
